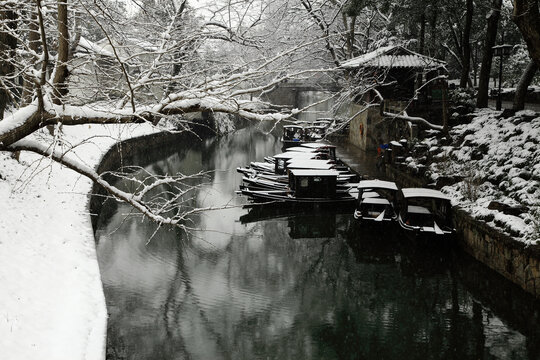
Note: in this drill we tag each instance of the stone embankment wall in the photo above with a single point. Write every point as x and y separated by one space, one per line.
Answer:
369 129
133 151
510 258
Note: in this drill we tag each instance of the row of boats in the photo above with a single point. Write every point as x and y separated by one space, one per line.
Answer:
311 174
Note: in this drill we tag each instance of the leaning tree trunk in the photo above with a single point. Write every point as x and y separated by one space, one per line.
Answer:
527 17
524 82
466 45
491 37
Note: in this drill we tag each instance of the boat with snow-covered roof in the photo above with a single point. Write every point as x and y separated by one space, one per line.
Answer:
425 212
306 186
293 135
376 201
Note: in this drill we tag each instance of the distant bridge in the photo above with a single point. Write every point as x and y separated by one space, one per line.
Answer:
309 86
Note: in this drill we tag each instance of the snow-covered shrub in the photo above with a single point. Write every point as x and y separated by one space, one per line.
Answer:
471 184
462 99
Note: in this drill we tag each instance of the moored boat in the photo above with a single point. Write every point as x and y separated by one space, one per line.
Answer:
376 201
306 186
425 212
293 135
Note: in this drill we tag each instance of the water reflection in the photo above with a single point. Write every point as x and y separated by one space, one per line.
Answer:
268 285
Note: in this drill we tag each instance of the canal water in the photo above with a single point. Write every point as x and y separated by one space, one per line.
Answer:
273 284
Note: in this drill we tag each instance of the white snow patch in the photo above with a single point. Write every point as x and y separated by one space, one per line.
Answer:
53 305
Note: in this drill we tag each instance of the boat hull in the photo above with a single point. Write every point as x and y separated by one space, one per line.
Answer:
287 197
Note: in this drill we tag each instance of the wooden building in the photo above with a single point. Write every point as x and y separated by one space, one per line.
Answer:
402 80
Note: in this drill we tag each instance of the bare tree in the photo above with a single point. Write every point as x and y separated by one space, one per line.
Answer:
89 63
467 45
487 57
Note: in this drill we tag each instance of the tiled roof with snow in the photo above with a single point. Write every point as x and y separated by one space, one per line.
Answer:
393 56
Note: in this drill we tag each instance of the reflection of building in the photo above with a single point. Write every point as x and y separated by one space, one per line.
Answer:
396 74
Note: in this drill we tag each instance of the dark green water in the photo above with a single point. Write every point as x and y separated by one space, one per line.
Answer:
301 286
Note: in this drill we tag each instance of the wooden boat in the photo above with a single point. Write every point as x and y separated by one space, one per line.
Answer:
425 212
283 161
315 132
293 135
276 164
376 199
322 148
306 187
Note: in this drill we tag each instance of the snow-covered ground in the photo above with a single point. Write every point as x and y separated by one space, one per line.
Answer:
51 300
492 159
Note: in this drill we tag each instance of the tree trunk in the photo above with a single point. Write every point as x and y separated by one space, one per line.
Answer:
524 82
421 46
466 45
61 74
33 44
487 57
527 17
422 32
8 44
433 38
351 36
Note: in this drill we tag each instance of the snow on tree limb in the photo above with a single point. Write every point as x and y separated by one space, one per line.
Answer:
413 119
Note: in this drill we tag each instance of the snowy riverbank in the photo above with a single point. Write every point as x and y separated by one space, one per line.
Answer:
53 305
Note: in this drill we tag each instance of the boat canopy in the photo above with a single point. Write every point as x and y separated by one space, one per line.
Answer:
316 145
310 165
292 127
377 184
376 201
370 194
302 149
423 193
304 162
314 172
413 209
294 155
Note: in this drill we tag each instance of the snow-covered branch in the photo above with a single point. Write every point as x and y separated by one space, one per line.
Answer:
166 207
414 119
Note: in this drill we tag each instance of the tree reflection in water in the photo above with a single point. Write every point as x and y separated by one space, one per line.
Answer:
304 286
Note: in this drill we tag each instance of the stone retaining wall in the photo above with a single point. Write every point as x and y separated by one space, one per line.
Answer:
138 151
510 258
